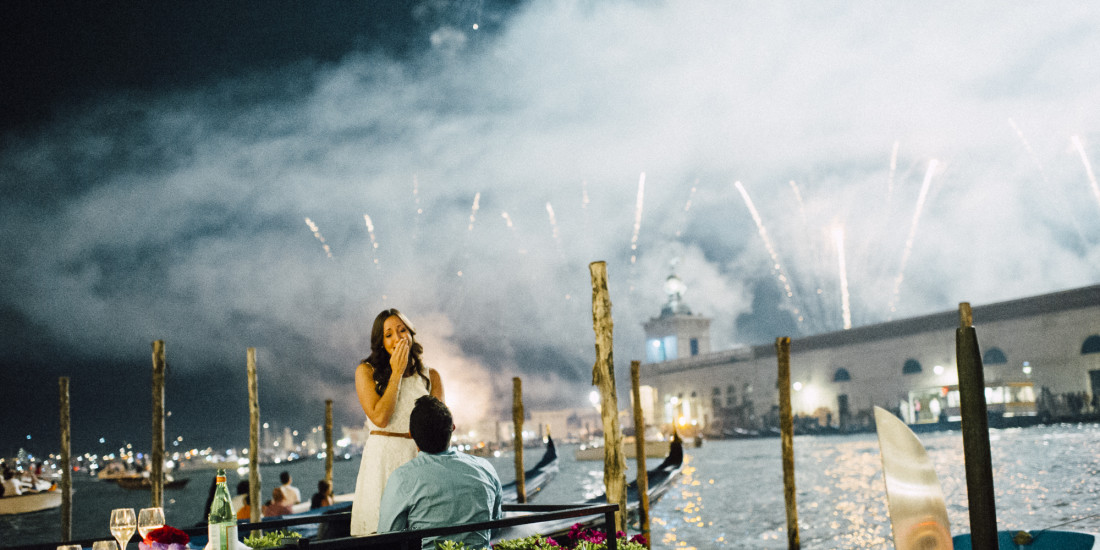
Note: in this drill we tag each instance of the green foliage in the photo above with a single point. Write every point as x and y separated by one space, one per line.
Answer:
533 542
271 539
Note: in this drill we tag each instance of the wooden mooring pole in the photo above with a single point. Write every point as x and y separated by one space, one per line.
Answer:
786 428
157 449
517 438
975 432
66 462
329 448
603 376
639 448
253 438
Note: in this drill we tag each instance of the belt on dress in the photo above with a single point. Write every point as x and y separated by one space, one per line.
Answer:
405 435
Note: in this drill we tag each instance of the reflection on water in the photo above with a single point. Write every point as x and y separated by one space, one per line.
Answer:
733 497
731 493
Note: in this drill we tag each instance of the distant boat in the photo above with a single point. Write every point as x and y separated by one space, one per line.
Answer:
114 471
48 497
142 482
653 449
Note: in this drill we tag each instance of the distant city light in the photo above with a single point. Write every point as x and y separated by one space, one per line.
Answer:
938 369
797 386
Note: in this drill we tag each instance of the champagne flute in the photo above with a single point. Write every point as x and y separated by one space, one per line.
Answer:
104 545
149 519
123 525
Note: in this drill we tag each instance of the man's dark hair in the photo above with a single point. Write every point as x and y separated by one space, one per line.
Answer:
242 487
431 424
284 477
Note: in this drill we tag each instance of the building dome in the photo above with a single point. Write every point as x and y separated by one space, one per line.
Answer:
675 289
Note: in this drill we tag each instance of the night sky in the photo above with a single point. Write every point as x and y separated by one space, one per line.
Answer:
162 165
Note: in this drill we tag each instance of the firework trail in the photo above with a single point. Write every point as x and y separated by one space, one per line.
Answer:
584 195
637 219
507 220
317 233
373 243
1088 167
554 228
780 273
687 208
845 306
1030 151
473 211
817 259
416 202
1046 183
893 170
912 233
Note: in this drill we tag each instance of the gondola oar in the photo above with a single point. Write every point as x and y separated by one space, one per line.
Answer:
914 497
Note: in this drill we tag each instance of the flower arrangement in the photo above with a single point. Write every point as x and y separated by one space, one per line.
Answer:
578 538
165 538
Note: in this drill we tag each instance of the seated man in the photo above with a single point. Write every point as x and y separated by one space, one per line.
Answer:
439 487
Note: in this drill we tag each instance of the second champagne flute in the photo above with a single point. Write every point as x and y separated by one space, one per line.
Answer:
123 525
149 519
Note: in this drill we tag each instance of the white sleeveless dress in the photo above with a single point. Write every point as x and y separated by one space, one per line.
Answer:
382 455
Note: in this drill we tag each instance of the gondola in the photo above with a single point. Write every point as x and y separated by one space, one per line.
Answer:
659 480
135 483
535 479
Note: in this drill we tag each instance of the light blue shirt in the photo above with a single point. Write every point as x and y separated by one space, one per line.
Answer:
441 490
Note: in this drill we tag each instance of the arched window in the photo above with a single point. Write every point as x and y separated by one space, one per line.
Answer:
841 375
1091 345
994 356
912 366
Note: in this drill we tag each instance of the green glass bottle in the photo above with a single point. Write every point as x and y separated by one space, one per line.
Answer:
222 529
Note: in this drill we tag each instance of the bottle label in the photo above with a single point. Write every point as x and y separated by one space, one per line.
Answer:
223 536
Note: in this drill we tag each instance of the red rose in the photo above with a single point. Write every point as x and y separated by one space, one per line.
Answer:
167 535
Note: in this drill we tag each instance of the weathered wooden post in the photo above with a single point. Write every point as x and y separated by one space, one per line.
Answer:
639 451
975 432
603 376
517 438
157 451
786 427
253 438
329 448
66 462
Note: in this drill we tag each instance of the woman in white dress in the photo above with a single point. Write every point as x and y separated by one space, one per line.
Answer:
388 401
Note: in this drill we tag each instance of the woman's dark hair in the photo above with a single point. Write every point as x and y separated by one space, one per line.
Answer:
379 359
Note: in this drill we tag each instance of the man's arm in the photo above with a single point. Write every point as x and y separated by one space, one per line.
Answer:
393 514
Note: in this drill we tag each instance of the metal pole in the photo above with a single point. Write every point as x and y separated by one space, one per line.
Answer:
517 440
66 462
975 431
786 427
639 452
157 452
253 438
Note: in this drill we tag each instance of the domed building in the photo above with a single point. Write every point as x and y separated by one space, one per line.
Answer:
1041 358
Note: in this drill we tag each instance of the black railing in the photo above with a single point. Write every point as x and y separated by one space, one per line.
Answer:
407 540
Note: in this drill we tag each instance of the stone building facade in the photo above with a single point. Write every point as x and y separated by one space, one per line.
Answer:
1041 355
